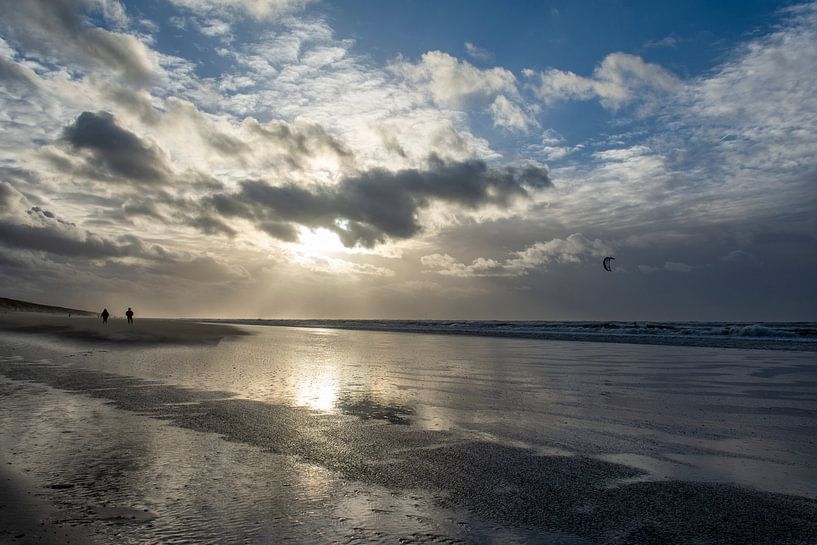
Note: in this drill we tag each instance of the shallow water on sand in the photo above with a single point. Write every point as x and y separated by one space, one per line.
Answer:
334 432
129 479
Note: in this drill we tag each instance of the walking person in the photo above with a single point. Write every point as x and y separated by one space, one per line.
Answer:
105 315
129 314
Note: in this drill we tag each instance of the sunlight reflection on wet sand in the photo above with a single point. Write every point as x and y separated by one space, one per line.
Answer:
698 414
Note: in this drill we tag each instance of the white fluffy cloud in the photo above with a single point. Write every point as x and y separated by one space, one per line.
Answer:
509 115
572 249
259 9
476 52
455 83
58 30
617 81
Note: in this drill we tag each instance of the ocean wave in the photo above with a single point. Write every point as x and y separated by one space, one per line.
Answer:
764 335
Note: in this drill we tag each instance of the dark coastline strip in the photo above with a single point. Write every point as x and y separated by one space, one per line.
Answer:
510 485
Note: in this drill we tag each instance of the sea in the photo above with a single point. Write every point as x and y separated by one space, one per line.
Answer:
800 336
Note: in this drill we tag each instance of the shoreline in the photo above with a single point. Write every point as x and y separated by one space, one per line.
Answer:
186 331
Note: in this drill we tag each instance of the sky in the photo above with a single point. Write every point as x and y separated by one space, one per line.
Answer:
411 159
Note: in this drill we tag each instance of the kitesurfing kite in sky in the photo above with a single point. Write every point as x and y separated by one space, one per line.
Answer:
608 263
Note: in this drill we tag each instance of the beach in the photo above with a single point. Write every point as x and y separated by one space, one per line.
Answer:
90 329
175 431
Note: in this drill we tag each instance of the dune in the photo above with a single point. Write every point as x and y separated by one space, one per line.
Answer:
15 305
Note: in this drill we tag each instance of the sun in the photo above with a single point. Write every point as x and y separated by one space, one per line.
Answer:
318 242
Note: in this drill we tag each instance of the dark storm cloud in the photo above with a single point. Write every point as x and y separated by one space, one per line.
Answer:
146 209
170 210
41 213
114 152
280 230
42 230
298 142
46 238
58 28
210 225
372 206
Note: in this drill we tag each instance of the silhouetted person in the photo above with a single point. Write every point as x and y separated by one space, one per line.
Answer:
129 314
105 315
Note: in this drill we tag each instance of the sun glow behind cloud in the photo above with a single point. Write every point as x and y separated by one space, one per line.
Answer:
320 250
318 242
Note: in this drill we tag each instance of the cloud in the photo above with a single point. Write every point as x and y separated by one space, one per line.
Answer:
258 9
740 257
57 29
553 147
674 266
297 128
216 28
203 268
617 81
40 230
296 143
44 231
477 52
573 249
453 82
304 59
113 152
458 84
210 225
670 41
510 116
669 266
12 202
446 265
17 78
335 266
367 208
761 105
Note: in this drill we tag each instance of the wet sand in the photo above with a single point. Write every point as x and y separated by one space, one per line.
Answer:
146 331
304 436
